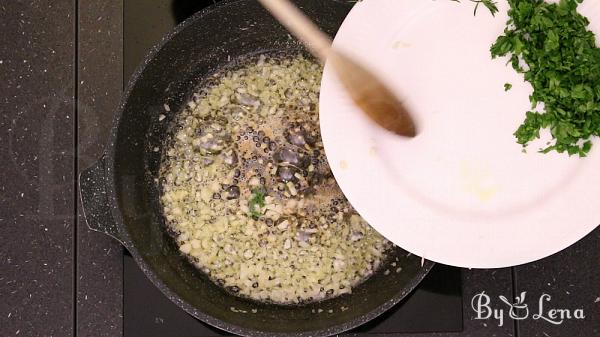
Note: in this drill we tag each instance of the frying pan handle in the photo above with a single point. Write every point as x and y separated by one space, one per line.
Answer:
94 197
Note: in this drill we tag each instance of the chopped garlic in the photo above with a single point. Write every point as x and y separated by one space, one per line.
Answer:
292 245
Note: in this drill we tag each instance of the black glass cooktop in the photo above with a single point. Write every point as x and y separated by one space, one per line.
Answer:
435 306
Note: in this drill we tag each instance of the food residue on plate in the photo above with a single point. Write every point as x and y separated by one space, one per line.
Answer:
478 181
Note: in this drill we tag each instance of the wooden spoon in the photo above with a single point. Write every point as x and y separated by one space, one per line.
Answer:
372 96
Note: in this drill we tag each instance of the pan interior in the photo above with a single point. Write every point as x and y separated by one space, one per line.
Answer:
207 42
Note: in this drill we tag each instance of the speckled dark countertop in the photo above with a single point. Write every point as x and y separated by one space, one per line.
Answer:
37 87
61 72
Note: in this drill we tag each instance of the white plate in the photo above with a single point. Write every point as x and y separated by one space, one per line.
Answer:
462 192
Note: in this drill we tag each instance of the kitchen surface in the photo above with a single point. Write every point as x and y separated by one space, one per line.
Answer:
64 65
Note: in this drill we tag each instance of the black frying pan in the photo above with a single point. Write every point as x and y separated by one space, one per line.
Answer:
120 195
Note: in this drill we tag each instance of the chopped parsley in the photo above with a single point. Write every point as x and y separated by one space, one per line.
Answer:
507 86
553 49
256 203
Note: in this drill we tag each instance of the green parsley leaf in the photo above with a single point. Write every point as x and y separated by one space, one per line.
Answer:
507 86
256 203
490 4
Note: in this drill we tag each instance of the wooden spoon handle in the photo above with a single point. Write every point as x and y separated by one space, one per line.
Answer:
301 26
